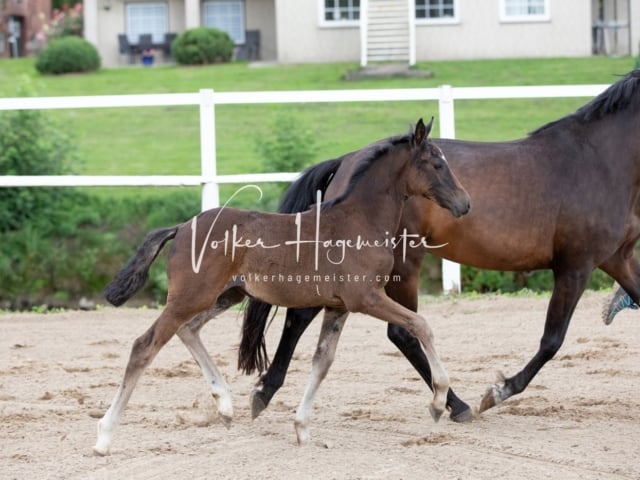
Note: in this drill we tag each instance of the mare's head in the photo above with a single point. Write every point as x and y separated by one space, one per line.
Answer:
429 174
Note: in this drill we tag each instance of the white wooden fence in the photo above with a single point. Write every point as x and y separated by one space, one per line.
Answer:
207 100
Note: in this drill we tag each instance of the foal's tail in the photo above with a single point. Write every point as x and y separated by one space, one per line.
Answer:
133 275
299 196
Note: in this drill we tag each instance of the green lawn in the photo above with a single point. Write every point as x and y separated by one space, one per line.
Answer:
165 140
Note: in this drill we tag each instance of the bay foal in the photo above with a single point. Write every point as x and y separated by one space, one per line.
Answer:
343 249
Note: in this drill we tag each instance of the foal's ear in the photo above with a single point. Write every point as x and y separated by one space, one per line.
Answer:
428 127
422 131
419 134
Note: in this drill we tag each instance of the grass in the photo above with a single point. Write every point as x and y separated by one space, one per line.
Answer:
165 140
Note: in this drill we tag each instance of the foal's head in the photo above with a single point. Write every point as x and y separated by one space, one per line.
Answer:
430 175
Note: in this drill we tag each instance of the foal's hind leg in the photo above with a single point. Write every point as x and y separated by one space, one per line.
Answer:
379 305
322 360
144 350
189 334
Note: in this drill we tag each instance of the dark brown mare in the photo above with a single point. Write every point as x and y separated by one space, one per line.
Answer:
337 256
565 198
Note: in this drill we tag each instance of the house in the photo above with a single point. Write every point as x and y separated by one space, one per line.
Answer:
21 25
365 31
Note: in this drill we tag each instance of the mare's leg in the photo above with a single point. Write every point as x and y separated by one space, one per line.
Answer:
322 360
625 269
297 320
189 334
144 350
568 287
379 305
406 294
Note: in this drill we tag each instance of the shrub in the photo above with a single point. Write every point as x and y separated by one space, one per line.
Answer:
30 144
66 55
288 146
201 46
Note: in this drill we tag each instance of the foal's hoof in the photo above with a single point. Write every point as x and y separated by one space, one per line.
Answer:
257 404
436 413
226 420
100 452
463 416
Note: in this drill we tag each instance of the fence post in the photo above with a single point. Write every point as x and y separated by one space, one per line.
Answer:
210 191
450 270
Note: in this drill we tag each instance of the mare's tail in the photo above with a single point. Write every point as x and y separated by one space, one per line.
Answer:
133 275
299 196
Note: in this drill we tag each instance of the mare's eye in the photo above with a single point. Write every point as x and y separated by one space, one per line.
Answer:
437 165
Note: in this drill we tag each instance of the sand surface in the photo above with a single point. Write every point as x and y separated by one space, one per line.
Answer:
579 418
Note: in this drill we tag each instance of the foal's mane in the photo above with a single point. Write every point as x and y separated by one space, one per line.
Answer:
619 96
373 152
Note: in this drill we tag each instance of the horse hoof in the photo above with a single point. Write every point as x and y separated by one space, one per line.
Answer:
489 399
257 405
100 452
464 416
436 413
226 421
302 434
617 302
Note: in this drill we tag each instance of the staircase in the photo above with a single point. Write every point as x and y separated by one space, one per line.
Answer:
387 31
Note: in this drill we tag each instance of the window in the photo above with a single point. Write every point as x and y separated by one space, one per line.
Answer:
147 18
226 15
436 11
524 10
339 11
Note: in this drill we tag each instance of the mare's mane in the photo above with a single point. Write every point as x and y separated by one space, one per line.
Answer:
621 95
373 152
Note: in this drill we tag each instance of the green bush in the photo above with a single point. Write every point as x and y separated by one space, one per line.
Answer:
68 54
59 244
30 144
288 146
201 46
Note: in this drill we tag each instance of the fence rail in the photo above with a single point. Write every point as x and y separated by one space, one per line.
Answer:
207 99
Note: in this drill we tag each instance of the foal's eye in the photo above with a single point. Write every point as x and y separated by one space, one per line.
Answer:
437 165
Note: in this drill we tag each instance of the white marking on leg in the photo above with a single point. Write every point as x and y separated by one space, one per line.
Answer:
108 423
213 377
322 360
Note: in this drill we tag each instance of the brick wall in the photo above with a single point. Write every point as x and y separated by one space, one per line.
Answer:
31 15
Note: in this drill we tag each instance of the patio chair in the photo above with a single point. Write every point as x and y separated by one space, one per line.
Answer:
166 46
125 48
145 42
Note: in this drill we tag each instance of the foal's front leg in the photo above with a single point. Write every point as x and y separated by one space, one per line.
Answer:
322 360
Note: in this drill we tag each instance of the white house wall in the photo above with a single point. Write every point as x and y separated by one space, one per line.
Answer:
300 39
478 34
481 34
260 15
291 31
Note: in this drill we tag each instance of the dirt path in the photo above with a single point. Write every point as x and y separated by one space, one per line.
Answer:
579 419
